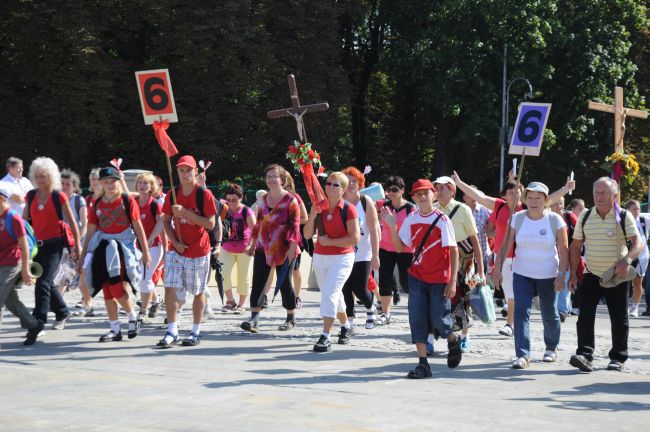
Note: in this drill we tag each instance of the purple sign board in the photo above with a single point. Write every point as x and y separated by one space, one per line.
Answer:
529 129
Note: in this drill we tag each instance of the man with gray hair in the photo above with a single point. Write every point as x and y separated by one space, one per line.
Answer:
18 185
611 242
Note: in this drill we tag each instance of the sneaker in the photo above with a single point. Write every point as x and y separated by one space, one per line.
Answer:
455 354
79 305
192 340
581 362
344 336
111 336
239 310
287 325
252 325
429 348
420 371
549 356
384 319
634 311
134 329
575 311
32 334
298 303
323 344
60 324
615 365
464 344
506 330
370 323
168 340
228 307
396 298
520 363
84 311
153 310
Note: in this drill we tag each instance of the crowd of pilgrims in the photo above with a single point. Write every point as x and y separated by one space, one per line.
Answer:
149 252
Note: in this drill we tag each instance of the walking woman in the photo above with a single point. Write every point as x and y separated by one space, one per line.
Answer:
274 245
366 256
338 233
634 207
388 255
113 258
46 209
152 223
70 186
237 264
540 265
290 185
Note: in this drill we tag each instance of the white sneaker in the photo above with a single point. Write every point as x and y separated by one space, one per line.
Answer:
549 357
634 311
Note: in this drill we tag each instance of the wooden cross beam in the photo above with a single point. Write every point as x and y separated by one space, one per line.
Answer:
297 110
620 113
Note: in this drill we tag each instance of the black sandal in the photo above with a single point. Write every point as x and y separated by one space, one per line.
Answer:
420 371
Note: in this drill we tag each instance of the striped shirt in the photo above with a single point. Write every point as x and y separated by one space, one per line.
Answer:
481 216
604 243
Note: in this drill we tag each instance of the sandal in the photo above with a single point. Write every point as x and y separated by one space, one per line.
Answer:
506 330
228 307
420 371
384 319
287 325
520 363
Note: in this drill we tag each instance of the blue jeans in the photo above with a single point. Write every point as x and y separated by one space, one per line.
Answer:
564 297
524 290
428 310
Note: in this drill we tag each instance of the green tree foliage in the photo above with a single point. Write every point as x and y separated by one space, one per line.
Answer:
414 86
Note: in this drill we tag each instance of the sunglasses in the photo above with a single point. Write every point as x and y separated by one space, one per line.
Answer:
334 185
393 189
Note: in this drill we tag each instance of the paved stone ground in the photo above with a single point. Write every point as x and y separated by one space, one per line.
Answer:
272 381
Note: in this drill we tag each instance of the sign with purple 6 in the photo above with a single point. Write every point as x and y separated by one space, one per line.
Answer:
529 128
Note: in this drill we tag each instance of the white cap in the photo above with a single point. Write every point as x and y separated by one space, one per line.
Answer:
445 180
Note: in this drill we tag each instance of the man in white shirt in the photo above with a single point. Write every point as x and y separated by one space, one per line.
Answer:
18 184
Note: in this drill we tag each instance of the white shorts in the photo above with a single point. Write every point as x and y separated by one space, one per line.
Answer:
146 284
506 284
186 275
332 271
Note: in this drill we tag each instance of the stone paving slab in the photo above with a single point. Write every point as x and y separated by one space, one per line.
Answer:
272 381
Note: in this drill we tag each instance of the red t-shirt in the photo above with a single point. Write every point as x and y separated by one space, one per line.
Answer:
110 218
433 265
9 248
336 228
194 236
149 220
501 222
45 220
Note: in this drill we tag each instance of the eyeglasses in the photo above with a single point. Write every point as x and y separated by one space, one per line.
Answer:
334 185
393 189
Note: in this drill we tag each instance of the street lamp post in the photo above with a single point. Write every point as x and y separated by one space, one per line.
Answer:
504 120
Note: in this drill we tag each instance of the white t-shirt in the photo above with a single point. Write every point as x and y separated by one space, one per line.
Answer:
536 252
20 187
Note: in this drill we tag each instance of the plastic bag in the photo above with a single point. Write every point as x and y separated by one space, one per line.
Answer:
66 274
482 302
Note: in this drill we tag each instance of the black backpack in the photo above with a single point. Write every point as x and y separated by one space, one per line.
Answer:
221 208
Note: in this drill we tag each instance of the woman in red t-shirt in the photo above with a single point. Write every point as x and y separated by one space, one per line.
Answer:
110 221
338 233
46 207
151 218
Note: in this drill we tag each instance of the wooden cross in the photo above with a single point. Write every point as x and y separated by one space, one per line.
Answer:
620 113
297 110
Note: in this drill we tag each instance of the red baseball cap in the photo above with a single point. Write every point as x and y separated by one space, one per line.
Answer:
421 184
186 160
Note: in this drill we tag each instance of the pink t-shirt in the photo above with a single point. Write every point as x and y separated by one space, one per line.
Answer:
386 242
240 232
500 216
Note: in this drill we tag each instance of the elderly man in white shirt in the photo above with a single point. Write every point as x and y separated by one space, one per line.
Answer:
19 185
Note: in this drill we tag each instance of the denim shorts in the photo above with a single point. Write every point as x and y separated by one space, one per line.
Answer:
429 310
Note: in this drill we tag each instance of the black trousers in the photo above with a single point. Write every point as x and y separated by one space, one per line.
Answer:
616 298
388 262
357 285
283 276
46 296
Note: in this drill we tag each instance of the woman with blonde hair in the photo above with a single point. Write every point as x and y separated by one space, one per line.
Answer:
46 209
151 218
338 233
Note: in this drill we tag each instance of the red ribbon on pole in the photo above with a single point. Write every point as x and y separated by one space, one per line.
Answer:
314 189
166 143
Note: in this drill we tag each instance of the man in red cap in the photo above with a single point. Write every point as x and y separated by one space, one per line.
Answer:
187 264
432 275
